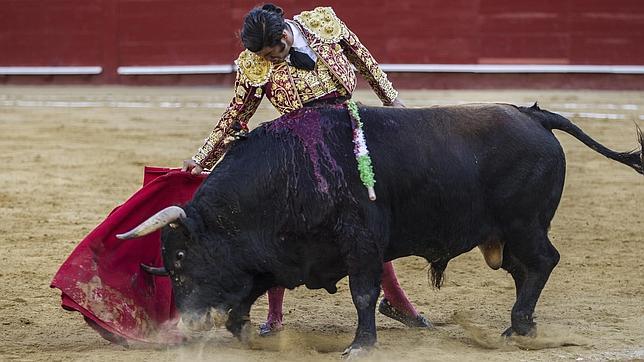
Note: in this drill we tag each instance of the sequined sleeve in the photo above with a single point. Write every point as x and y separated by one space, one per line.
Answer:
242 107
364 62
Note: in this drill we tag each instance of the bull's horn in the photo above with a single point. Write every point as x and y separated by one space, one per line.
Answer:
156 222
161 271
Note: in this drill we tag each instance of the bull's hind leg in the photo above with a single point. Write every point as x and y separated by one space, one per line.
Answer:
530 258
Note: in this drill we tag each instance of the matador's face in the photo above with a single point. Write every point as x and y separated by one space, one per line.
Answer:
280 51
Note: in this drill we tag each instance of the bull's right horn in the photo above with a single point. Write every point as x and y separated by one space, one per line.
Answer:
154 223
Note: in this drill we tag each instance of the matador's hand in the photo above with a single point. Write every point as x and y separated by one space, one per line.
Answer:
191 166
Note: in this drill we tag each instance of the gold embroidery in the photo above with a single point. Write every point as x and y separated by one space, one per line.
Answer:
314 84
322 22
338 64
283 94
240 92
255 69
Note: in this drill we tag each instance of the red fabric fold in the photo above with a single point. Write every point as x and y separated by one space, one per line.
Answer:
102 278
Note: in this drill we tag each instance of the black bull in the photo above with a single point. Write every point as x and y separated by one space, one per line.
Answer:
286 207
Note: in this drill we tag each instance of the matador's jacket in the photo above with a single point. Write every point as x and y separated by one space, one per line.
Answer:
289 88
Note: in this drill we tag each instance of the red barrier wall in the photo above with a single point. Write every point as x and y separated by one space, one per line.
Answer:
113 33
59 33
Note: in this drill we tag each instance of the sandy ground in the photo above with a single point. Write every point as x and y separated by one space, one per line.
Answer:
69 155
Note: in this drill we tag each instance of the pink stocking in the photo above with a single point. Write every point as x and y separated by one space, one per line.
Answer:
275 300
393 292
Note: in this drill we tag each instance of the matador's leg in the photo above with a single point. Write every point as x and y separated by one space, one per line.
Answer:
395 303
274 320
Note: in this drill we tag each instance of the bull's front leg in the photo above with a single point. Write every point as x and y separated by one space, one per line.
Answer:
238 322
365 289
362 255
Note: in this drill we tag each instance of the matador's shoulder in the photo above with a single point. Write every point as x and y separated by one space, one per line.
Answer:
323 24
253 69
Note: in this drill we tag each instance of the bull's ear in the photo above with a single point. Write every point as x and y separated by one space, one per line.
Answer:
177 224
180 225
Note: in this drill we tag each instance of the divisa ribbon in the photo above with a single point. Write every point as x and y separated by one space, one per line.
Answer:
365 168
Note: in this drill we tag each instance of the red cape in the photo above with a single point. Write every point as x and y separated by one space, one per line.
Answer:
102 278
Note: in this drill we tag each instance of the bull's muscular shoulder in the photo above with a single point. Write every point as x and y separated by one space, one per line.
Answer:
323 24
253 70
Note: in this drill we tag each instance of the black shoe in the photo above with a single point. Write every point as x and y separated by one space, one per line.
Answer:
410 321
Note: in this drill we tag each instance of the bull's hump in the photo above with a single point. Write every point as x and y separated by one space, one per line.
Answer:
480 106
307 126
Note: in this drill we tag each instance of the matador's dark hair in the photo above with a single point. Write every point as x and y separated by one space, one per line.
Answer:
263 27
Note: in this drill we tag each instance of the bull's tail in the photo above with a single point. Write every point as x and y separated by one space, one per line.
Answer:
551 121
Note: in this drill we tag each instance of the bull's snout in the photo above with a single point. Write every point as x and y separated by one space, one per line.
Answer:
219 317
195 322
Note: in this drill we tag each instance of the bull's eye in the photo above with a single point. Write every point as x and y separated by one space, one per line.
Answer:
180 255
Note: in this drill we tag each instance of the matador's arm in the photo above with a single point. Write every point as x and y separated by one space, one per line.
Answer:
360 57
242 107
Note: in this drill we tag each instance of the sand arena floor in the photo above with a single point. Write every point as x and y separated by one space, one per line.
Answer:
70 155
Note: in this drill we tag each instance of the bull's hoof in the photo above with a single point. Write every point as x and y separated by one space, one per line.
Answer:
508 332
356 352
245 334
527 332
270 328
418 321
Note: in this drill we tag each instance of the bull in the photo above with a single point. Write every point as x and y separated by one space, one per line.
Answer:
285 207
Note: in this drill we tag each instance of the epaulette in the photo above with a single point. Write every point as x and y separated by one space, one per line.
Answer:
323 23
255 70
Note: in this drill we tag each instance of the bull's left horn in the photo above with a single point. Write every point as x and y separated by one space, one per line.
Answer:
154 223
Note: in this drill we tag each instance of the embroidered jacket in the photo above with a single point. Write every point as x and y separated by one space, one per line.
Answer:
289 88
